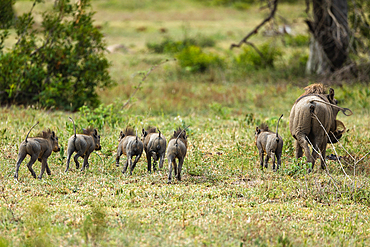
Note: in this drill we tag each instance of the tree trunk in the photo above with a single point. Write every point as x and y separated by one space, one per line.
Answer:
329 41
318 63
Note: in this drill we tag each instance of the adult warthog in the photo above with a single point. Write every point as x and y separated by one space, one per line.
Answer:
313 121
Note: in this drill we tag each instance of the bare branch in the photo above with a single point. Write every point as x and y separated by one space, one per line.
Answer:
142 80
332 147
326 167
255 30
342 147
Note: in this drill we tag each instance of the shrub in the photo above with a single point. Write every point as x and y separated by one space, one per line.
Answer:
168 45
60 65
299 40
239 4
297 63
250 58
193 59
6 13
111 115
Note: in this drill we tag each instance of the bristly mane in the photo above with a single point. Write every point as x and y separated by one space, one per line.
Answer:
129 131
177 132
316 88
88 131
151 130
44 134
264 127
182 136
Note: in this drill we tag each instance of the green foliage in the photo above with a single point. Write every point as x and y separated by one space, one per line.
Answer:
220 111
297 64
261 59
359 19
239 4
358 96
111 115
193 59
6 13
299 40
168 45
60 65
297 168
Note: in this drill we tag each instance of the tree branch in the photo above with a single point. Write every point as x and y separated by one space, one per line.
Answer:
142 80
255 30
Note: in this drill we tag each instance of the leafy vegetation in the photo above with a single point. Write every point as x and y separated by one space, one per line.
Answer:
193 59
60 65
299 40
168 45
262 57
7 13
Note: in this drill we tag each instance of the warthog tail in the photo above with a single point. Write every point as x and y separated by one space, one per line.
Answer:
74 126
277 128
25 140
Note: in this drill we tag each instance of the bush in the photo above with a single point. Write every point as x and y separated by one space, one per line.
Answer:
251 59
168 45
299 40
6 13
297 63
240 4
193 59
60 65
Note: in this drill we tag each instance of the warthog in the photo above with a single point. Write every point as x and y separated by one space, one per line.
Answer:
177 147
129 145
313 121
83 144
39 148
270 143
154 146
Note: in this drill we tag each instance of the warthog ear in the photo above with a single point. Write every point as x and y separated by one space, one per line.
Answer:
331 95
144 132
258 130
53 135
121 134
95 132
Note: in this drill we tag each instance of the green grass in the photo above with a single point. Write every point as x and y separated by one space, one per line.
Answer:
224 198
